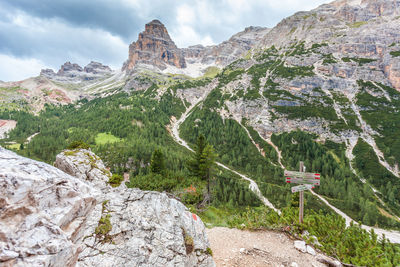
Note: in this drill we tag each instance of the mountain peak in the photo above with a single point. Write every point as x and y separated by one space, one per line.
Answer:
156 22
154 47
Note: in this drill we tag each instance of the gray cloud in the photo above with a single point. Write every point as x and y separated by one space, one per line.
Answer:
50 32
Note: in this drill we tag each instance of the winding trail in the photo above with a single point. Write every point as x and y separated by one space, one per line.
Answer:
174 128
350 144
393 236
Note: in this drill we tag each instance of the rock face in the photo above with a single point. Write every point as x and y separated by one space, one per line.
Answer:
354 29
43 213
73 73
228 51
50 218
154 47
146 228
68 69
97 68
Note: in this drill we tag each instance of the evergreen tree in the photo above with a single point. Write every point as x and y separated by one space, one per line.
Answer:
157 164
207 161
194 163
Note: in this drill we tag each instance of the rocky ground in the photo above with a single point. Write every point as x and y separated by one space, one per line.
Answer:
6 126
234 247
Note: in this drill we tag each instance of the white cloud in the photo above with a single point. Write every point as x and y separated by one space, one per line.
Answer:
185 15
15 69
185 36
54 42
294 5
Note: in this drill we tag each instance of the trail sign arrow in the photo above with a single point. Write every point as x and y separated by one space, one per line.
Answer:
304 175
296 180
302 187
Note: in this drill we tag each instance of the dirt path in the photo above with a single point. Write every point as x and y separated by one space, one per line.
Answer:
173 128
234 247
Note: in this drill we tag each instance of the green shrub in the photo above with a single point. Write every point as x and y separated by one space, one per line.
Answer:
78 145
103 228
189 244
352 244
395 53
115 180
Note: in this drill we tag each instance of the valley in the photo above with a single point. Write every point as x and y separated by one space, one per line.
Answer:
321 87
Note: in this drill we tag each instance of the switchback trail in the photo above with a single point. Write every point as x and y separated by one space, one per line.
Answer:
174 129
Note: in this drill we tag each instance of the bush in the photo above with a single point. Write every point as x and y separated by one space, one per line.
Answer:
78 145
189 244
115 180
209 251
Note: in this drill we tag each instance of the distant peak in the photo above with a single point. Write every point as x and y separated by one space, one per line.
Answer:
155 47
155 22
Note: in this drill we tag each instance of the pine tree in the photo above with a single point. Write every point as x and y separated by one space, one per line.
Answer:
207 161
157 164
194 163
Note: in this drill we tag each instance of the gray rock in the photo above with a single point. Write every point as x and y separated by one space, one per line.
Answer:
300 245
50 218
43 212
329 261
147 228
310 250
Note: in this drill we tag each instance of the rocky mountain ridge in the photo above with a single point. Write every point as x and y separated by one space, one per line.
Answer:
154 47
228 51
73 73
155 50
50 218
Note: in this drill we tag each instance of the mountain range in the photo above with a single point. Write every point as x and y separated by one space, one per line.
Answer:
322 86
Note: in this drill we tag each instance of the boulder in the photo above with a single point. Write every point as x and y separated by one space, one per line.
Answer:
43 213
300 245
51 218
137 228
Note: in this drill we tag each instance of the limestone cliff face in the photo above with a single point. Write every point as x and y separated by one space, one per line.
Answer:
73 73
154 47
228 51
349 28
51 218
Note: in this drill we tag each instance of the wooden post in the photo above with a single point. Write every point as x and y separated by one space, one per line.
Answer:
301 198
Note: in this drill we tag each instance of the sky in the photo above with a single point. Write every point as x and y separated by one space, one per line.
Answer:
38 34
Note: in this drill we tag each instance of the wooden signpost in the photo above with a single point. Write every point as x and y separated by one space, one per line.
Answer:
307 181
301 188
301 181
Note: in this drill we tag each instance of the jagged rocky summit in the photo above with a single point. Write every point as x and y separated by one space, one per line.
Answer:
51 218
73 73
154 47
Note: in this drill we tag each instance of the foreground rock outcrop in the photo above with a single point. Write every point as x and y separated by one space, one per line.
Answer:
51 218
146 228
43 212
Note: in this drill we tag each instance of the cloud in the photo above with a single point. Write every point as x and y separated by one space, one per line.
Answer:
54 31
54 42
19 68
